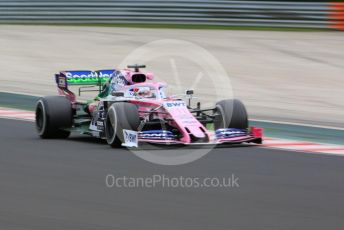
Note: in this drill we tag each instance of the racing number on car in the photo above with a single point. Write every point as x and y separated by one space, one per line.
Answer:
130 138
62 82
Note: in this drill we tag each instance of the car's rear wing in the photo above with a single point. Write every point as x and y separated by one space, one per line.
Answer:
82 77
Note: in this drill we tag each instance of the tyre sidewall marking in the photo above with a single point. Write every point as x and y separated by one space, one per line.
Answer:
44 125
114 127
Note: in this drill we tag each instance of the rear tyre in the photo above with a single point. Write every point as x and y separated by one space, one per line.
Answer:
53 115
230 114
121 115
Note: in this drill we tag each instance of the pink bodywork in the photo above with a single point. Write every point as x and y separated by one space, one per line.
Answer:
128 74
183 119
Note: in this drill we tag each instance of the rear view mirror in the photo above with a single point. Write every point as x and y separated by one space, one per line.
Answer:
150 76
189 92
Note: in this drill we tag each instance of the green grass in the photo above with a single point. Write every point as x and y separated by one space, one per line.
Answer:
18 101
178 26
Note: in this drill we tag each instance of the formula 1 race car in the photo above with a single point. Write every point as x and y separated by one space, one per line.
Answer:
131 108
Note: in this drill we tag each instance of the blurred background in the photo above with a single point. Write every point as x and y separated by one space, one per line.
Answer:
284 59
181 13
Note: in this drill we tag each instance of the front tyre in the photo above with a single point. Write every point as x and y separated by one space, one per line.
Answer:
121 115
230 114
53 115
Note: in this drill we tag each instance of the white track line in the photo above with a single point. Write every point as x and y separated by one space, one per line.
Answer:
17 114
298 124
304 146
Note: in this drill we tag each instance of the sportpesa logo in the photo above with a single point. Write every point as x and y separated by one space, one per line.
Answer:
88 77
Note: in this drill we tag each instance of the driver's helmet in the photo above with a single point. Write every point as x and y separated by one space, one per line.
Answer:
143 92
147 93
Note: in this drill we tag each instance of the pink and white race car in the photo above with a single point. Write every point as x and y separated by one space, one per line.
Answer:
131 109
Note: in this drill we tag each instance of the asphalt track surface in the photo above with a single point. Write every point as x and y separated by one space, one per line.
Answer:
60 184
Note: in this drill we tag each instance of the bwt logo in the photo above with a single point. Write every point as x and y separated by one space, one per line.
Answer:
175 104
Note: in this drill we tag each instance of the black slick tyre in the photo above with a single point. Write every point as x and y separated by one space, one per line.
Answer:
121 115
53 116
230 113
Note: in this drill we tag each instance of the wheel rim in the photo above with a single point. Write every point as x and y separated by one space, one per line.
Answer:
109 130
219 119
39 119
